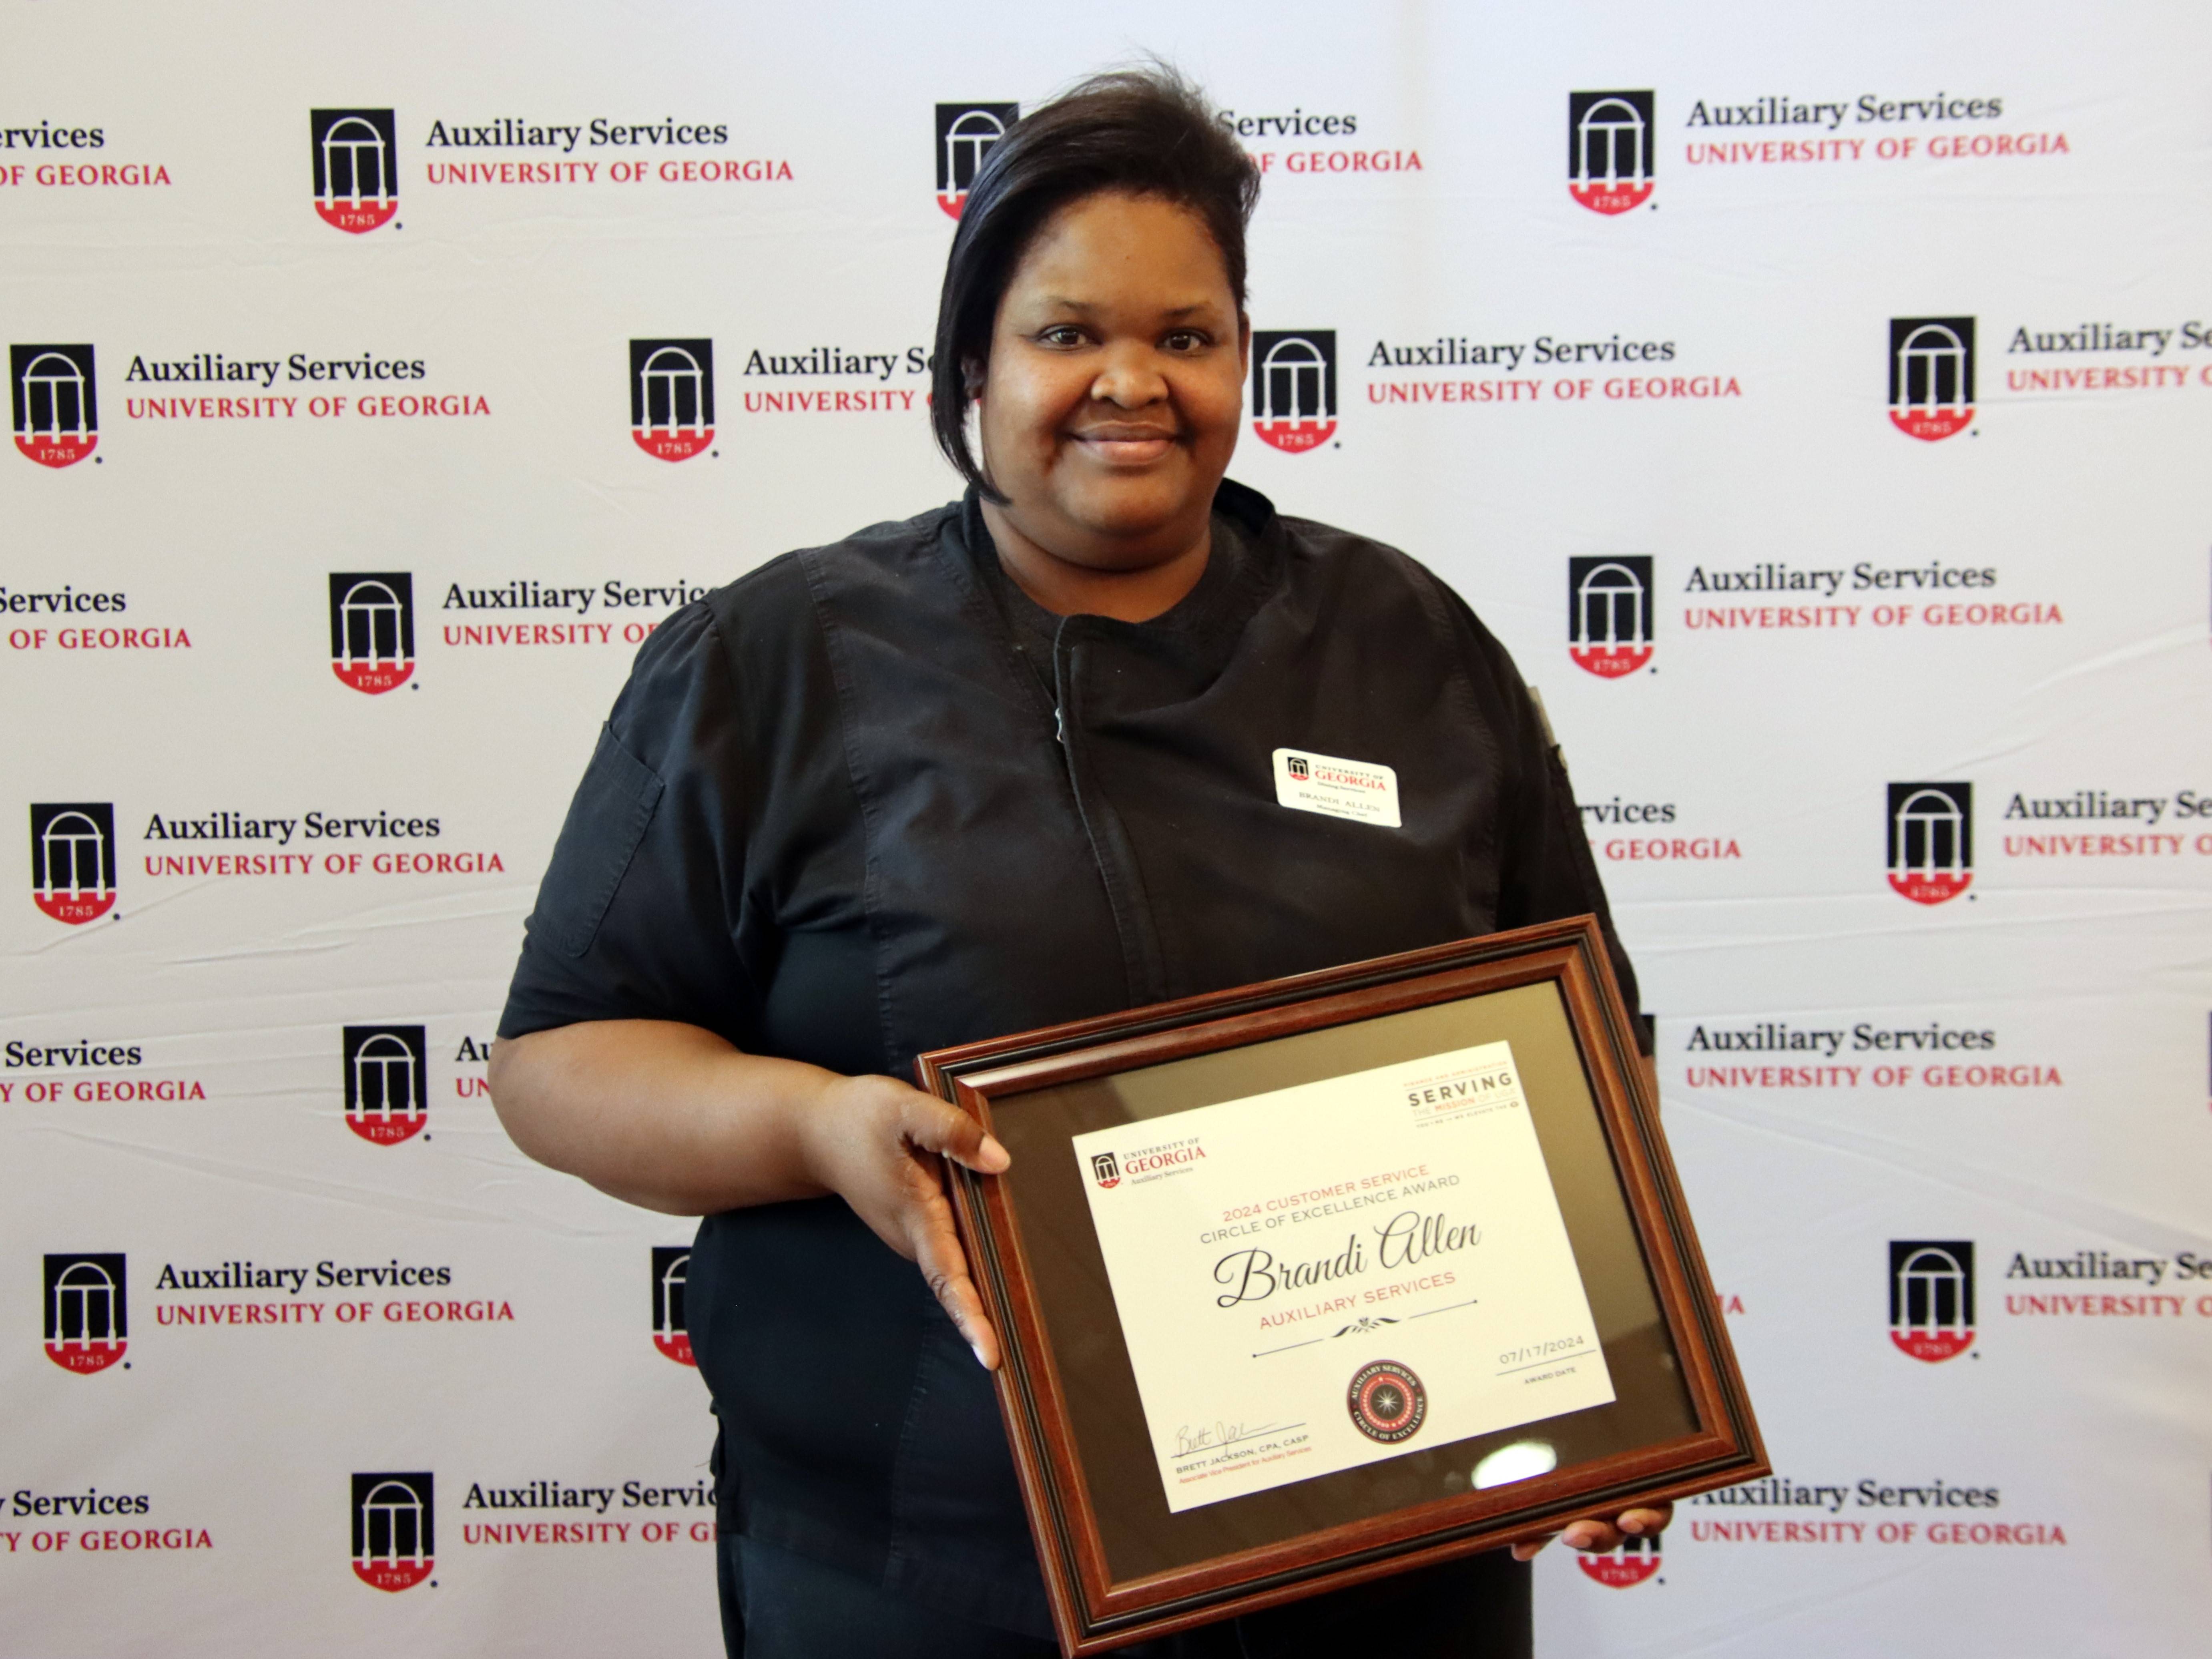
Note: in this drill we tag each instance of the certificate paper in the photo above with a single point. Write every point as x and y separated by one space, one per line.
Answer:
1331 1275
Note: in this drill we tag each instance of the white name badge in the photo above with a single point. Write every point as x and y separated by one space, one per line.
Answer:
1328 1275
1307 782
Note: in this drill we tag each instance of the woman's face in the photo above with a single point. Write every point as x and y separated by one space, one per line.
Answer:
1115 385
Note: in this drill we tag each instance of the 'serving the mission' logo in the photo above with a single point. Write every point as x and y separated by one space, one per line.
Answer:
388 1093
1105 1170
1628 1563
1294 387
1931 840
394 1521
73 859
356 167
965 133
55 403
671 1331
88 1324
1609 614
373 628
671 397
1609 149
1932 375
1931 1297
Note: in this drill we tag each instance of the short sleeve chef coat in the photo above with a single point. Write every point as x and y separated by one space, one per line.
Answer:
846 812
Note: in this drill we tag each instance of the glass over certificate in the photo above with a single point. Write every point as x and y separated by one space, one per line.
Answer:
1340 1271
1304 1282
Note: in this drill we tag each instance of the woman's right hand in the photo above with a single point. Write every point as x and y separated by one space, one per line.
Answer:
878 1145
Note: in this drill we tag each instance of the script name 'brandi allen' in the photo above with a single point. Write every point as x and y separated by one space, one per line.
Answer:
1405 1240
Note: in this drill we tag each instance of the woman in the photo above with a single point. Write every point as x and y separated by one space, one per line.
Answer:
1006 763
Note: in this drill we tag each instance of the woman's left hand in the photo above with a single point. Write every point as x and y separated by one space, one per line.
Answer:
1594 1532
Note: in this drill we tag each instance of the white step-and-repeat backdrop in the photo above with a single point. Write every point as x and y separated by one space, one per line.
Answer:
1814 399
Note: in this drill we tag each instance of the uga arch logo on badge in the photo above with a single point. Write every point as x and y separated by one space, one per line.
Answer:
1294 387
86 1318
1931 841
965 134
54 402
1931 376
1931 1297
356 161
1609 149
1609 613
73 859
394 1530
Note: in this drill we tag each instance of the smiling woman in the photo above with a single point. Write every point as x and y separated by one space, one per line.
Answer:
1057 750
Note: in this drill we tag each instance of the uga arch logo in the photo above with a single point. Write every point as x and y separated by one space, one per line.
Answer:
1932 375
1931 1297
387 1090
1294 387
373 628
87 1319
55 403
356 167
73 859
394 1527
965 134
1624 1567
1609 149
671 397
671 1331
1609 613
1105 1169
1931 841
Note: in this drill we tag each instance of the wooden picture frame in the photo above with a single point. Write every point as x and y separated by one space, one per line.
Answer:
1118 1566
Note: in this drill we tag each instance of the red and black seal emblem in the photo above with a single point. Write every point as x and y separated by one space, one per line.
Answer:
1387 1401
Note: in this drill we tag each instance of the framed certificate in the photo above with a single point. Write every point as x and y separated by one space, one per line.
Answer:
1308 1282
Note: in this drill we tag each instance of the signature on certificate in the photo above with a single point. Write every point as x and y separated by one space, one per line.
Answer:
1195 1437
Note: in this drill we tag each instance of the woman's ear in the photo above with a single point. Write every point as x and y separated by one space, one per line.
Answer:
973 372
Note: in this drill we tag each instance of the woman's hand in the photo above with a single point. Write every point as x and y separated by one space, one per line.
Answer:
878 1145
1594 1532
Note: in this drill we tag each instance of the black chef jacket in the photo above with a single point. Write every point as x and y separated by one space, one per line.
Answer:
846 810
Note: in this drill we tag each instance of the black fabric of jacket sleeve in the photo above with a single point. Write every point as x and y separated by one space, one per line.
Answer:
637 915
1545 866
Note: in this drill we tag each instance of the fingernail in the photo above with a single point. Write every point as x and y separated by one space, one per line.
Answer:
993 1154
1631 1526
977 1348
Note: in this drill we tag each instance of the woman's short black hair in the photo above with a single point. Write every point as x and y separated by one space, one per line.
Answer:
1148 131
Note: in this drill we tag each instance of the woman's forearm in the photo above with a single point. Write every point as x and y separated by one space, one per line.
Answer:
662 1115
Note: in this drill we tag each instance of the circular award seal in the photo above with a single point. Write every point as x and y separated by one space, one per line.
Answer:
1387 1401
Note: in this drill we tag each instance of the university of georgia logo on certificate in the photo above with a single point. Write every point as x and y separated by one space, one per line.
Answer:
1387 1401
1104 1170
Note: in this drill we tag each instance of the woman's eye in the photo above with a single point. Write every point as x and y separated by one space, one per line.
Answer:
1061 336
1185 340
